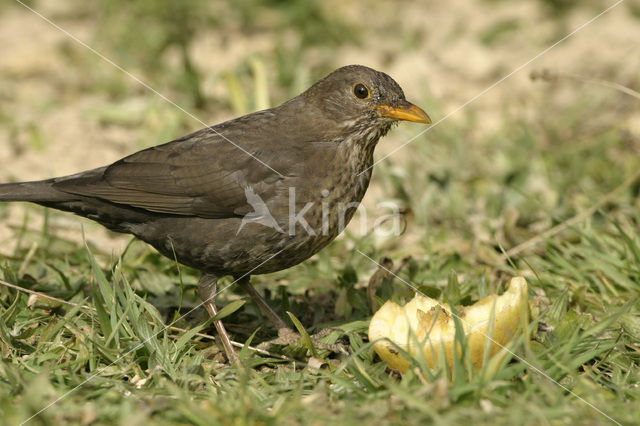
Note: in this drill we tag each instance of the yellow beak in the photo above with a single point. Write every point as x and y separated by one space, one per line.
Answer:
410 112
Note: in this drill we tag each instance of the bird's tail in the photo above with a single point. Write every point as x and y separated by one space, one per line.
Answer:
36 192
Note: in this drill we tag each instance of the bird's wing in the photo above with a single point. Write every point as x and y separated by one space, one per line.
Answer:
199 175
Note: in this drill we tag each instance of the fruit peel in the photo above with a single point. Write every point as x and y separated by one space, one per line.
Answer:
426 325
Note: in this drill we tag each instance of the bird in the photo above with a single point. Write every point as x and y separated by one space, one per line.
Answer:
253 195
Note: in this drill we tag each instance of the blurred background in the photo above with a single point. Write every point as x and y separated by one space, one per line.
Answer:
520 156
63 109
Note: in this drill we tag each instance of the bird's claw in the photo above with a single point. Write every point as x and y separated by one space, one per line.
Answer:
287 337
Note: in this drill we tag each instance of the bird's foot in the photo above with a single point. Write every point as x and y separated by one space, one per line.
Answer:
319 340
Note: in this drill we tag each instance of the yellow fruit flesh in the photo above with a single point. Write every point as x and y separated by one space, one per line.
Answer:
424 324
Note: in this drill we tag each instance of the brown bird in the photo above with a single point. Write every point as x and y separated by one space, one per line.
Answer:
253 195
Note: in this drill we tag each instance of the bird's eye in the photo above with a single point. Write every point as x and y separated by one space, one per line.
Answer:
361 91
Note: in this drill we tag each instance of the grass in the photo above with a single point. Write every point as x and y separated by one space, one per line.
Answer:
83 332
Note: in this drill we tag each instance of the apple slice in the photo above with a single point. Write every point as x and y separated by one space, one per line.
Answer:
425 324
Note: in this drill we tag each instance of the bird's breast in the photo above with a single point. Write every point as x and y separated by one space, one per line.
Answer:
321 204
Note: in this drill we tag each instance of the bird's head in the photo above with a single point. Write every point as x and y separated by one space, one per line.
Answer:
362 99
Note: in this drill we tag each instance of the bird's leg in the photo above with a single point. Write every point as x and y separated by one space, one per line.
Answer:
277 321
207 289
